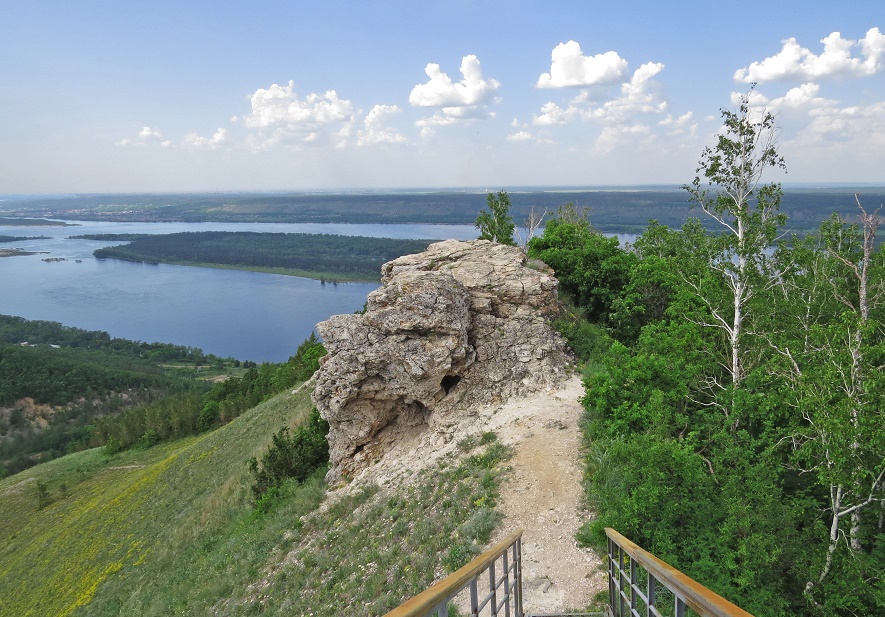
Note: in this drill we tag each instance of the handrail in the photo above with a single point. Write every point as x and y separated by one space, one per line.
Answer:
431 599
688 591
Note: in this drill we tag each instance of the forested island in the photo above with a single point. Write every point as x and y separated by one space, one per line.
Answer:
325 257
30 222
21 238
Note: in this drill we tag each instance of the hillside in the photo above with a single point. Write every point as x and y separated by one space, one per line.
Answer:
131 533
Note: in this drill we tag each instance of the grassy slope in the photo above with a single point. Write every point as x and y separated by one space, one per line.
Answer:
170 530
132 521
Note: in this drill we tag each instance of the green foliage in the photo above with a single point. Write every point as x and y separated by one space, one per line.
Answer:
137 530
190 412
734 483
326 256
591 268
293 456
496 224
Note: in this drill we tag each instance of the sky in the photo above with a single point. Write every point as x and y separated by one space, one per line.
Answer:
223 95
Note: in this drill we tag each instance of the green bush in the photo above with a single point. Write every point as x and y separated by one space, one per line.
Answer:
290 456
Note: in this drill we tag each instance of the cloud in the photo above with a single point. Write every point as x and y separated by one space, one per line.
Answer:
794 62
375 132
811 122
196 142
520 136
681 126
570 67
282 117
145 136
441 91
612 136
639 95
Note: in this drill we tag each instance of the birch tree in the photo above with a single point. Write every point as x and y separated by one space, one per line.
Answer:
728 188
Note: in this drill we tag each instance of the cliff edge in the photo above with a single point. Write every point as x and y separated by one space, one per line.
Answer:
461 325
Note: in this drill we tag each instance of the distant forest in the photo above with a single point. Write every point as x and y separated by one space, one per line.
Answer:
625 210
64 389
322 256
21 238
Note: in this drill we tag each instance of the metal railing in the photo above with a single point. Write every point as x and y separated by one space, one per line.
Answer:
628 596
497 573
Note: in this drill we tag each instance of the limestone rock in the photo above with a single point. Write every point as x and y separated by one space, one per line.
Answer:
459 325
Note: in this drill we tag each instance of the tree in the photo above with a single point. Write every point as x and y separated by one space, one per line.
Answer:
833 289
731 194
591 268
496 224
531 224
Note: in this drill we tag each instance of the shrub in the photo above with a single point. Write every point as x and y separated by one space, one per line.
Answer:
296 455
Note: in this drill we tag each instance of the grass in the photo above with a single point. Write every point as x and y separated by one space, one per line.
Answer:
374 548
171 530
131 533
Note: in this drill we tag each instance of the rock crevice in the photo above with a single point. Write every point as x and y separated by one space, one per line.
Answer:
459 325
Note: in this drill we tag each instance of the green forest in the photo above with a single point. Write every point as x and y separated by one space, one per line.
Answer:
322 256
4 239
734 388
64 389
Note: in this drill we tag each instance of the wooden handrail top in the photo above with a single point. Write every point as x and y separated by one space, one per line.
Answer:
433 596
697 597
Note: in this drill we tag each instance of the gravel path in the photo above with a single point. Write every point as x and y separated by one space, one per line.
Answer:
542 496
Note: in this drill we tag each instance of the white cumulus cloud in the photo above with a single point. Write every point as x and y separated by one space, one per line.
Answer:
441 91
375 132
679 126
145 136
613 136
640 95
795 62
284 117
519 136
197 142
570 67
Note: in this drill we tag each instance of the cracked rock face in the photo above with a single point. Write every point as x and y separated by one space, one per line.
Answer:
459 325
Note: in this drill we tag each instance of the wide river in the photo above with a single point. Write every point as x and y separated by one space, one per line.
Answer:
245 315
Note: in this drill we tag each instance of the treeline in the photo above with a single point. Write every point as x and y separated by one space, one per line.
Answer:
193 412
20 238
614 210
60 376
137 409
43 333
327 255
28 222
735 396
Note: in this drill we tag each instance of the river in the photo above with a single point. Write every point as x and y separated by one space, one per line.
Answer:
230 313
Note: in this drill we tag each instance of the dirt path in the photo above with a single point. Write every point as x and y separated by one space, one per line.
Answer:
542 496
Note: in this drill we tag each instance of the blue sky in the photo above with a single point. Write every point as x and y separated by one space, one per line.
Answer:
125 96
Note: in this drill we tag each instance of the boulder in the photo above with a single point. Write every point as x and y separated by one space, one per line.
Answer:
461 324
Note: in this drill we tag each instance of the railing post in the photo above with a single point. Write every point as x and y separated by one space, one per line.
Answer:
652 597
632 587
507 595
493 596
517 559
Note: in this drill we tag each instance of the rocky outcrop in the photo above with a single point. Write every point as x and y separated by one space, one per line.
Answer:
460 325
